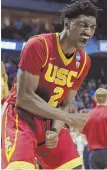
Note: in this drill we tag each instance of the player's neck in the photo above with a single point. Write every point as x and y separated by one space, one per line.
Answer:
67 47
103 104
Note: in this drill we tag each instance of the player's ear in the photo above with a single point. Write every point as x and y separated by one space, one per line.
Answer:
66 23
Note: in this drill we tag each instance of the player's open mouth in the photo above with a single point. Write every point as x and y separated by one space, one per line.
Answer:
83 40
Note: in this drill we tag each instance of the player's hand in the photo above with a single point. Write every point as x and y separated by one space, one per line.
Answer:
77 120
51 139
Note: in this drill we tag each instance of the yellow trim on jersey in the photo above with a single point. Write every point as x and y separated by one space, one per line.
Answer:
64 59
72 164
47 51
9 149
20 165
83 66
37 166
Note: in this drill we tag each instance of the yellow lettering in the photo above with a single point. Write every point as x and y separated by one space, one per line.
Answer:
69 79
49 76
58 94
61 77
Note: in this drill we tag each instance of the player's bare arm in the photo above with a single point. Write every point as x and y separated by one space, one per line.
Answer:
30 101
57 124
80 118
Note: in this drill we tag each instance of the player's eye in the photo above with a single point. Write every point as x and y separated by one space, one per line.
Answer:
83 25
93 27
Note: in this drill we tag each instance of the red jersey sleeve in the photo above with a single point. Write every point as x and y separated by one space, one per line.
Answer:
84 130
33 56
79 81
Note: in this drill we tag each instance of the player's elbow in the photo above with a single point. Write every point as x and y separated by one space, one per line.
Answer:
23 99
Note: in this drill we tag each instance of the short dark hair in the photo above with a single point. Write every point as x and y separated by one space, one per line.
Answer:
78 7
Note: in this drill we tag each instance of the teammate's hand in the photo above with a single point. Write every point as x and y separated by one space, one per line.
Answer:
51 139
77 120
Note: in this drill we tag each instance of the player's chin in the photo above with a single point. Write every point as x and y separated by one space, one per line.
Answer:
80 46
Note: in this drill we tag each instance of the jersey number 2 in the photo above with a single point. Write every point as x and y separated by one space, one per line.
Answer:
58 94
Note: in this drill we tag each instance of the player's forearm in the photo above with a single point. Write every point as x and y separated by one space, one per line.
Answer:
57 124
38 106
78 122
81 120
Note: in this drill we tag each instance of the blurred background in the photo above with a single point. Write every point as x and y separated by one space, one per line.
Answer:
21 19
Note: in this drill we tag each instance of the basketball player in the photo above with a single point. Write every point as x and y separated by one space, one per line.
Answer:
51 70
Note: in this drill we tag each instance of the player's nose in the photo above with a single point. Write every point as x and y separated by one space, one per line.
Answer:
88 32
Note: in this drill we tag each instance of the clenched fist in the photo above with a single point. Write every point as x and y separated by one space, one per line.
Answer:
51 139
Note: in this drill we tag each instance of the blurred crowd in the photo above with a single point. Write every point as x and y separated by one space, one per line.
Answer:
84 100
22 30
85 97
11 65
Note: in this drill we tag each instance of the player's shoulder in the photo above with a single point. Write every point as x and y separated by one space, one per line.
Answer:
47 36
41 37
92 113
39 40
95 111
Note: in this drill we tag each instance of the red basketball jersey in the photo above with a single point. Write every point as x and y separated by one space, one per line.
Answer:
43 56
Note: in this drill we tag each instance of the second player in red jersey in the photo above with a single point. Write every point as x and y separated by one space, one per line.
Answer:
95 130
51 70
